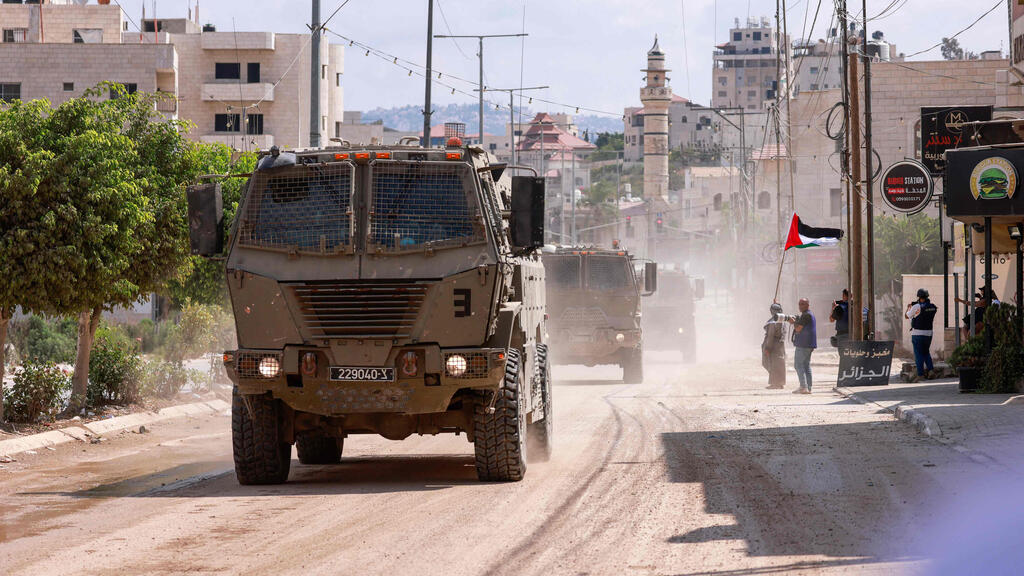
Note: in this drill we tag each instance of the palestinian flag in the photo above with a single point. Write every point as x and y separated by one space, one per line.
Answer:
804 236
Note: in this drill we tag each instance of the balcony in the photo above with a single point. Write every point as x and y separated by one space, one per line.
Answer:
238 41
232 91
238 140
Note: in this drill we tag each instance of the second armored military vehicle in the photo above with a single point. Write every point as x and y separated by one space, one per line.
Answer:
593 299
668 315
383 290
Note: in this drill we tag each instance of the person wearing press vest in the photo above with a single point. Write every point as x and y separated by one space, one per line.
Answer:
841 316
922 316
805 340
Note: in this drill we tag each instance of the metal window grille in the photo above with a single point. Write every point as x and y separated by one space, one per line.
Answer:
303 209
608 273
477 365
423 204
562 271
583 318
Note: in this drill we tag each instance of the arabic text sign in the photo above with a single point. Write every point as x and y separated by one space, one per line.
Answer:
866 363
907 187
940 131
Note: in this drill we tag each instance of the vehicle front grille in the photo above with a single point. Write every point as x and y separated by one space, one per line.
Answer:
359 309
585 318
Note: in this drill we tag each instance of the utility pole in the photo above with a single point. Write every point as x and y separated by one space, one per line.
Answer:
427 112
869 176
314 77
856 237
784 48
511 114
480 55
844 160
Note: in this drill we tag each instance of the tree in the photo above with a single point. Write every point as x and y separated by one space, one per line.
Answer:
951 49
903 245
99 216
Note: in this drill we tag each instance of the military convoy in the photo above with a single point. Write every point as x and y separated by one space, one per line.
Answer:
383 290
594 308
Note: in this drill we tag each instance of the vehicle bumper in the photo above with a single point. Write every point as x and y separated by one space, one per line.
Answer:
426 388
604 346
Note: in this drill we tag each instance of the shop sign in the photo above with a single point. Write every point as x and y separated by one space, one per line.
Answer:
907 187
993 179
941 131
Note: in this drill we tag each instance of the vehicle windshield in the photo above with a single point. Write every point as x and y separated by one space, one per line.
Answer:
420 204
562 271
302 208
606 273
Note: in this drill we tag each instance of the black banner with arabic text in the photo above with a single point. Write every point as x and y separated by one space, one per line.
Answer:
865 363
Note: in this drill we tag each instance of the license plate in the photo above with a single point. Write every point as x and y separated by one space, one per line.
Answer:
359 374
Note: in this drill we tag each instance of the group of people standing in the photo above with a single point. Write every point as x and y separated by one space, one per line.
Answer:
804 339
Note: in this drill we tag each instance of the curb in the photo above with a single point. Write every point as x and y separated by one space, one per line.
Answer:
84 432
903 412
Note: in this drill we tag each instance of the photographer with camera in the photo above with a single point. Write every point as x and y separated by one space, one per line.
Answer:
922 314
841 316
805 340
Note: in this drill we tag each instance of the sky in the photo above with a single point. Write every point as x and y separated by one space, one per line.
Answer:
590 52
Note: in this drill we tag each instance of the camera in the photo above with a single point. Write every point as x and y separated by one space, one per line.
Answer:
784 318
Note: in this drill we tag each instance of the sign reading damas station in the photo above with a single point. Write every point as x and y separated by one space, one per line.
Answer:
907 187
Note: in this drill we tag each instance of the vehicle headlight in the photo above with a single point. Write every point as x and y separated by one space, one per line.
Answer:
456 365
269 367
620 338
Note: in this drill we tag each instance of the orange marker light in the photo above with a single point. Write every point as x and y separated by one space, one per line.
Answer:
383 155
362 155
454 155
341 156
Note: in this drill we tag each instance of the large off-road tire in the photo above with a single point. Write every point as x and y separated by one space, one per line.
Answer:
541 434
318 449
633 367
500 437
261 457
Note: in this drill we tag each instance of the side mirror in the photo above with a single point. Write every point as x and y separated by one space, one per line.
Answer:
698 288
527 221
206 219
650 278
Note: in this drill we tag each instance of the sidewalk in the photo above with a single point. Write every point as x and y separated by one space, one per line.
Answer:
992 424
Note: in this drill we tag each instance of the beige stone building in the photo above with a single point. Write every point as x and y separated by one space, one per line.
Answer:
249 90
745 67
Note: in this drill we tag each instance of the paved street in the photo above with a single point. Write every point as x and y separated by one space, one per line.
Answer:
699 470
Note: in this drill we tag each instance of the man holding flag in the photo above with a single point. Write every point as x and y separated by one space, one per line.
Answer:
805 337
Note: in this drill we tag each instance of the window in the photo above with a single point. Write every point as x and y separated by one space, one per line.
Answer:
814 70
337 129
337 79
228 71
128 89
683 120
608 273
814 86
835 197
737 36
69 86
87 36
757 36
9 92
254 124
722 80
764 201
563 271
253 73
717 202
721 93
323 72
15 35
227 123
147 25
751 93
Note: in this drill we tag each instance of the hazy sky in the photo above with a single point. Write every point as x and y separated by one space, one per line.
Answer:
589 51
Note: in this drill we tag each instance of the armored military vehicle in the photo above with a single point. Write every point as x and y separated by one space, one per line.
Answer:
383 290
593 299
668 315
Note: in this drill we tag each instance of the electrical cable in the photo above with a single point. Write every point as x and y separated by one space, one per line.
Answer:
969 26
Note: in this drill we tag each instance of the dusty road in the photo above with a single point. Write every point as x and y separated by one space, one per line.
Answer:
699 470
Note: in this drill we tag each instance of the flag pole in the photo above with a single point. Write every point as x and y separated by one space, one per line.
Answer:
778 281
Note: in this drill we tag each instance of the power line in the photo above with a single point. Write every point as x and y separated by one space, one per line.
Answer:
449 28
971 25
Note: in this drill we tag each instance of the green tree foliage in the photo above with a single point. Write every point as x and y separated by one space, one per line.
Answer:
903 245
94 210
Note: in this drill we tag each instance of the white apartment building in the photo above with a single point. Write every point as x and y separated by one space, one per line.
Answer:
818 64
744 73
246 89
